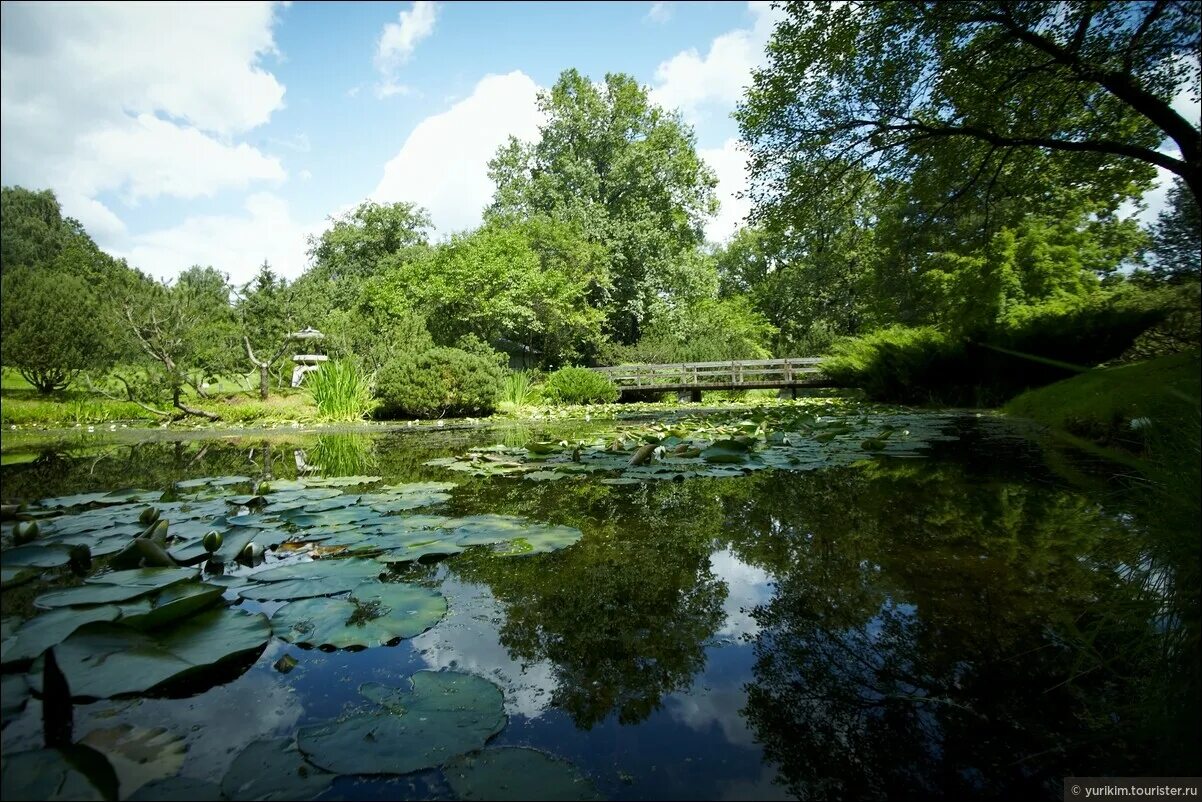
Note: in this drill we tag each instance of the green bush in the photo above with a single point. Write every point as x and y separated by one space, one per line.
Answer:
988 367
341 390
573 385
439 382
518 390
52 328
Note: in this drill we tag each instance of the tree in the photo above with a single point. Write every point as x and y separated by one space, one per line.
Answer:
265 311
52 327
525 282
1009 87
186 333
358 246
622 170
1177 240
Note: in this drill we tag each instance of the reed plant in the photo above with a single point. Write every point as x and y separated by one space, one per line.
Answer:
341 391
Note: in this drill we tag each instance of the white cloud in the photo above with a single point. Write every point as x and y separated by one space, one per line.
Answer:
696 84
233 243
139 99
659 12
443 164
730 164
397 42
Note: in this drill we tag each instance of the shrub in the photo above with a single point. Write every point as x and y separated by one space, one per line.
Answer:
988 367
573 385
52 328
518 390
341 390
439 382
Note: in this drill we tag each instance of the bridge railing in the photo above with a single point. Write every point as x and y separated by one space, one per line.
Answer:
734 373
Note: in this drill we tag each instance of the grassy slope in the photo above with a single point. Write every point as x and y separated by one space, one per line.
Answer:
1101 404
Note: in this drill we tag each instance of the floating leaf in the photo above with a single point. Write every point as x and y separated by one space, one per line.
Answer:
374 614
305 580
14 693
177 789
101 660
173 603
445 714
43 631
273 769
72 773
36 556
517 773
115 587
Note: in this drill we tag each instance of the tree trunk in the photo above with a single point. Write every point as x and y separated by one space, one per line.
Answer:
263 380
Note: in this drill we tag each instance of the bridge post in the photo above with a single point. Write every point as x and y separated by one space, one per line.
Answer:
787 392
686 396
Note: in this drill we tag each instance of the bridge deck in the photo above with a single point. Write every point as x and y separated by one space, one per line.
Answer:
742 374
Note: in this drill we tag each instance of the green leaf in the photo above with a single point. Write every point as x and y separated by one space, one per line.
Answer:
443 715
273 770
72 773
102 660
516 773
316 578
373 615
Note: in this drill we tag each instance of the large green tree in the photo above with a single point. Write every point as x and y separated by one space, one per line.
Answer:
623 171
264 308
992 89
1178 238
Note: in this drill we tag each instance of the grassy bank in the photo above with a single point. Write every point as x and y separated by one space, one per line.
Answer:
1120 406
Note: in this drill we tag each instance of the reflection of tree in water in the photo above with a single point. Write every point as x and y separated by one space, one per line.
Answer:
937 638
624 614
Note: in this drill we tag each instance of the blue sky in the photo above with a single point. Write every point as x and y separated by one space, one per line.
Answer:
226 133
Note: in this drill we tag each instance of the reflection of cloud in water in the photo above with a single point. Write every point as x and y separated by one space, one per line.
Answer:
216 725
469 639
717 696
748 586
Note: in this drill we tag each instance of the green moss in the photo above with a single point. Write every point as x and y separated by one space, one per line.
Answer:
1114 405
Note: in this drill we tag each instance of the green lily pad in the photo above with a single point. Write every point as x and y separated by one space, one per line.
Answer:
115 587
539 539
273 769
443 715
72 773
305 580
177 789
36 555
43 631
101 660
339 481
373 615
516 773
14 693
416 551
171 604
79 500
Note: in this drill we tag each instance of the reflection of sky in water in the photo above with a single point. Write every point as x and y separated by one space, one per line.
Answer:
747 585
468 639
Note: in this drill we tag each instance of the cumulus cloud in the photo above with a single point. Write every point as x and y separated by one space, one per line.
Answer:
233 243
443 164
730 164
397 42
697 84
143 100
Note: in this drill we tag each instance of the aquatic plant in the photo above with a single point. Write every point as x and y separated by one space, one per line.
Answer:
341 391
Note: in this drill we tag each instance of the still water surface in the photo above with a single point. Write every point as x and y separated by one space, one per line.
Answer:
964 624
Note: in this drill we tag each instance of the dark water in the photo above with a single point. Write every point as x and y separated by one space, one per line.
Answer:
971 624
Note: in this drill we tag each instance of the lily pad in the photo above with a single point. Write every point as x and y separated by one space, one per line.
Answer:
273 769
443 715
517 773
115 587
36 555
14 693
41 632
177 789
72 773
373 615
173 603
305 580
101 660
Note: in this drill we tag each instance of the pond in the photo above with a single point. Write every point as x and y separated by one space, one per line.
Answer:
816 600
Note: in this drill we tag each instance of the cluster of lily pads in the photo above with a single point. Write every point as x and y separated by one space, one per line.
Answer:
156 613
791 438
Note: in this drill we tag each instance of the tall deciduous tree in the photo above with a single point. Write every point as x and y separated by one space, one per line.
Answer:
622 170
1009 87
1177 239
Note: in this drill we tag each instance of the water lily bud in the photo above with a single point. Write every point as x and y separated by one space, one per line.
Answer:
212 541
25 531
148 516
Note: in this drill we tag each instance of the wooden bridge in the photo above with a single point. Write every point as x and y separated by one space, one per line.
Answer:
691 378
